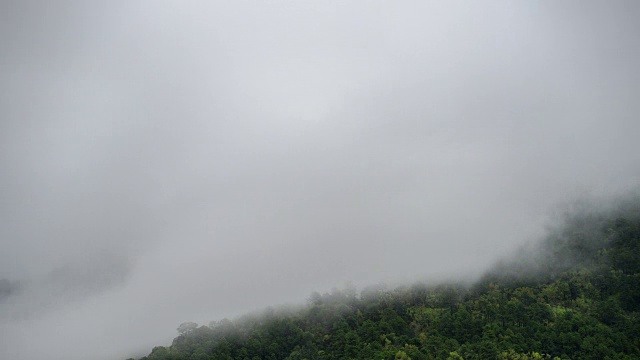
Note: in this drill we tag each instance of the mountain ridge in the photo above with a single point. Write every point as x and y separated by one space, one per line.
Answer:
576 295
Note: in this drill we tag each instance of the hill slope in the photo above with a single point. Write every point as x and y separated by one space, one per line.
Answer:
577 296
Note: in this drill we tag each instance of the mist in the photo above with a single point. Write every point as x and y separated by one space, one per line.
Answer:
163 162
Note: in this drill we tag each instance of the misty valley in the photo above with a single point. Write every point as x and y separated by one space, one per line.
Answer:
576 295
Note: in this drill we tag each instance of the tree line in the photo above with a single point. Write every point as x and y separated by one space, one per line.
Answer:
576 297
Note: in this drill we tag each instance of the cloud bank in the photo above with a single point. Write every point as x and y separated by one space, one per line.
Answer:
164 162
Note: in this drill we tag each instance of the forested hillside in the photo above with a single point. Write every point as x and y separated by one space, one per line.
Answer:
576 296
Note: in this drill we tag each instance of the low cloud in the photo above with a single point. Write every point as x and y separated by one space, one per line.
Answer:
164 162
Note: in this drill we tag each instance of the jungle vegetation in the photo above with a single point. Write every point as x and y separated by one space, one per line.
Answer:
576 295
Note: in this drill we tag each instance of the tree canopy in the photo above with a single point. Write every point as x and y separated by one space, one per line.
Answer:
576 297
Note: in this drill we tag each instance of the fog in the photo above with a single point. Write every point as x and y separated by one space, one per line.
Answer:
163 162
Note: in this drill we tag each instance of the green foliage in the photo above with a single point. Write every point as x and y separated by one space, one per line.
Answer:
584 303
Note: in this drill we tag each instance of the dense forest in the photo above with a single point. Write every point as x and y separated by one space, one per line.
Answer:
576 295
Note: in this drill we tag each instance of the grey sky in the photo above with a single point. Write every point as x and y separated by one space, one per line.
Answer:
170 161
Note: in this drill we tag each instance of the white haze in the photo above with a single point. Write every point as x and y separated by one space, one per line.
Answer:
163 161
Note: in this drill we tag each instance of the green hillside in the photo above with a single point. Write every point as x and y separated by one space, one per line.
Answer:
575 296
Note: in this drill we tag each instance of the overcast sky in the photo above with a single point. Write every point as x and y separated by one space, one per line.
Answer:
170 161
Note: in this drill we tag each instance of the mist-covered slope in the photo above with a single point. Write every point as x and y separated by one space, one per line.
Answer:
575 295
